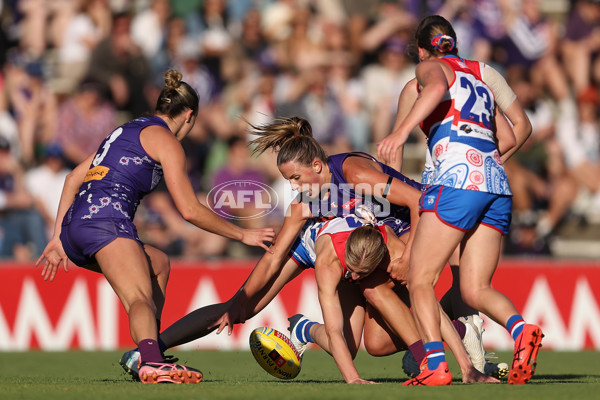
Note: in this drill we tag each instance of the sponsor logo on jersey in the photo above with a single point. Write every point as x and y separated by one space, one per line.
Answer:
351 204
96 173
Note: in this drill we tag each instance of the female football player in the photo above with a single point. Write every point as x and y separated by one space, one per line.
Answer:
342 250
331 186
468 201
95 229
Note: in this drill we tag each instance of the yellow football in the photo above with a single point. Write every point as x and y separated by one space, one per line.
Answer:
275 353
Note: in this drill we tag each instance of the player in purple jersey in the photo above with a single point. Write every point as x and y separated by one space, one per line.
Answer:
376 303
95 229
387 193
277 268
468 201
329 186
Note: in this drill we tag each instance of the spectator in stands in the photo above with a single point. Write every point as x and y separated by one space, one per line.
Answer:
45 181
383 82
250 60
348 89
543 191
119 64
8 125
531 43
581 45
31 102
79 34
251 40
149 31
32 23
22 230
587 172
83 120
318 103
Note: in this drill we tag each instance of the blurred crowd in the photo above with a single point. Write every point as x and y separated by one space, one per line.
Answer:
72 70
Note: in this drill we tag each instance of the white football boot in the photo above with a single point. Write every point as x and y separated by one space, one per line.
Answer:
472 340
297 323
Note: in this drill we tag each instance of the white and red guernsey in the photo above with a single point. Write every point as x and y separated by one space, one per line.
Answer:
461 134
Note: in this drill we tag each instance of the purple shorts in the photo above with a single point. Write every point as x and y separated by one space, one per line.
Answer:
81 239
463 209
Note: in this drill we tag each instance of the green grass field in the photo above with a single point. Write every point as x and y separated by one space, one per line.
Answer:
235 375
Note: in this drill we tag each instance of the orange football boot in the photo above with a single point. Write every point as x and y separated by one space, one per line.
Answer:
524 362
438 377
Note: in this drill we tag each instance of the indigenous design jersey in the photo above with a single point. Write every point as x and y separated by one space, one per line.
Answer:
343 199
303 250
120 175
460 134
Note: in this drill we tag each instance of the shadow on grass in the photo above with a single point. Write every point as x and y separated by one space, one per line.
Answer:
564 378
537 380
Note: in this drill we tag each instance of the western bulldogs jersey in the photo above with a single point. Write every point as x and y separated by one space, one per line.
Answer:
303 250
120 175
343 199
460 134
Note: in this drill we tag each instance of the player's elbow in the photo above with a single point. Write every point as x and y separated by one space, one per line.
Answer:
189 206
523 132
73 179
373 295
188 213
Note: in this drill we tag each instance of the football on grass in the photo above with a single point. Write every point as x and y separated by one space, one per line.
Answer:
275 353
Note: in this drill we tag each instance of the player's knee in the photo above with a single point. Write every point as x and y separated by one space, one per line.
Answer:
376 348
471 296
140 302
372 295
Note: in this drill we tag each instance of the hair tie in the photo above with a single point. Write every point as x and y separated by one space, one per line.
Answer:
365 215
435 42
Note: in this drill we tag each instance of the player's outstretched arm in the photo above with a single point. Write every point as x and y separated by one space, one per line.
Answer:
54 254
167 150
328 273
267 268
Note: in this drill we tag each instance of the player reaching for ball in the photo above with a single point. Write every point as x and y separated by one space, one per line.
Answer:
94 226
323 180
359 299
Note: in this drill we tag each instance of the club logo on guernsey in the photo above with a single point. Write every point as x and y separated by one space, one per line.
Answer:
242 200
97 173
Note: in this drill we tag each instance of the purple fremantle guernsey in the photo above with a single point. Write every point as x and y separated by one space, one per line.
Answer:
121 174
343 199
